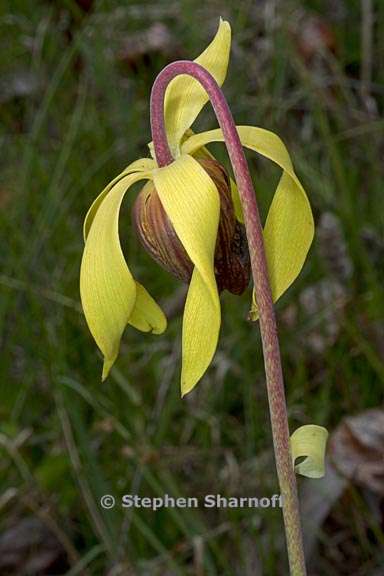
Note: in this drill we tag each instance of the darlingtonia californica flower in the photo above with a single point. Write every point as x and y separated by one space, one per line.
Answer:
188 217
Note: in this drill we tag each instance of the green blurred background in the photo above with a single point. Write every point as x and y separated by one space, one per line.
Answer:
75 79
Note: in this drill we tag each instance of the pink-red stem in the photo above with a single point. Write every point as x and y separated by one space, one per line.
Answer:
268 329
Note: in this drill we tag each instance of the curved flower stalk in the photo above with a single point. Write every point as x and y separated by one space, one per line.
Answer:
192 218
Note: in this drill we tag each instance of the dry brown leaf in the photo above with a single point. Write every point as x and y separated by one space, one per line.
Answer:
357 449
29 547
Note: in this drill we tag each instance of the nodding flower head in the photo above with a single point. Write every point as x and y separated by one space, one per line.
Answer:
188 216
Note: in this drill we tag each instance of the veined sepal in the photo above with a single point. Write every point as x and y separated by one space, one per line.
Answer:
289 227
191 201
111 298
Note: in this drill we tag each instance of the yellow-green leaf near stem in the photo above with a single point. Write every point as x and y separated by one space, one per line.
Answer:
310 442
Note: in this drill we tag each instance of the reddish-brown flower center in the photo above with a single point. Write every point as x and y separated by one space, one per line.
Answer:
157 235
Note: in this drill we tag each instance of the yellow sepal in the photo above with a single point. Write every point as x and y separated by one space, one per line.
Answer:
191 201
184 97
146 315
142 165
289 227
110 296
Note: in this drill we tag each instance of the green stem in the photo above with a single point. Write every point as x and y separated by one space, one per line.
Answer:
268 329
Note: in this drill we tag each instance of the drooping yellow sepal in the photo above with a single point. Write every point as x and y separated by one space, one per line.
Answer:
110 296
191 201
289 227
147 315
184 97
310 442
142 165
